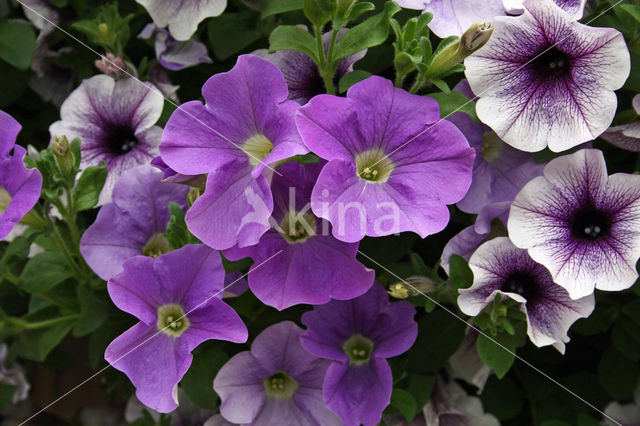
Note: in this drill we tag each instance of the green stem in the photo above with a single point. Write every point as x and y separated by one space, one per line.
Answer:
417 85
65 250
319 45
326 68
399 79
41 324
332 46
8 275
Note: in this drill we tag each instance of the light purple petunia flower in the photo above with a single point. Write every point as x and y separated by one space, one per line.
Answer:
182 16
172 54
499 267
450 405
115 121
466 364
390 168
246 124
544 79
276 383
133 223
302 74
583 225
19 187
313 266
170 175
358 335
177 298
626 136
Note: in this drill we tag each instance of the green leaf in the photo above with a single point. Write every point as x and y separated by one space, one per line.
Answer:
419 267
503 398
17 43
178 234
442 85
404 402
617 373
439 336
498 358
289 37
87 191
198 382
359 8
14 83
7 390
44 271
632 10
36 344
232 32
273 7
420 387
453 102
352 78
371 32
93 312
460 274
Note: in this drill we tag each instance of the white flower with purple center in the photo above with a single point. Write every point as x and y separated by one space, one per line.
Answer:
182 16
581 224
499 267
115 121
544 79
277 382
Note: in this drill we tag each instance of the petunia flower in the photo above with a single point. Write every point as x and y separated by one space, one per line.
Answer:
499 267
449 404
626 136
13 376
581 224
466 364
172 54
391 168
170 175
177 298
277 382
544 79
313 266
19 187
246 125
115 121
182 16
133 223
357 336
628 414
575 8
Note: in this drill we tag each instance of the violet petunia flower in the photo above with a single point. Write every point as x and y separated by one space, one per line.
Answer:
171 176
177 298
357 336
172 54
581 224
115 121
182 16
133 223
246 125
391 167
499 267
277 382
19 187
626 136
544 79
313 266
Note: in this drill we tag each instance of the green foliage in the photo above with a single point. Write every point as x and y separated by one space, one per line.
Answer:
232 32
17 43
289 37
198 381
87 191
497 352
178 234
108 29
453 102
617 373
44 271
351 78
438 338
405 403
460 274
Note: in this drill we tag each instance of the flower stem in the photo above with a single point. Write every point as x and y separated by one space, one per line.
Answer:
325 67
41 324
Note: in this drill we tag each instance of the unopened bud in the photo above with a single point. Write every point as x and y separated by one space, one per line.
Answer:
412 286
63 154
193 195
475 37
103 31
112 65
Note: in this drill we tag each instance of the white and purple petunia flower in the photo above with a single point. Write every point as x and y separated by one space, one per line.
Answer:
450 405
19 187
246 124
133 223
277 382
115 120
182 16
499 267
544 79
177 298
312 266
581 224
391 167
172 54
626 136
357 336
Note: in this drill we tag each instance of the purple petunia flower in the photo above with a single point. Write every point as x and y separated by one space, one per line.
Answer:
390 169
182 16
115 121
133 223
358 335
19 187
499 267
626 136
583 225
544 79
246 124
276 383
313 267
172 54
171 176
449 404
177 298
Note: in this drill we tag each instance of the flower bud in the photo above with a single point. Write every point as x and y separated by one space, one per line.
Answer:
475 37
412 286
112 65
64 156
193 195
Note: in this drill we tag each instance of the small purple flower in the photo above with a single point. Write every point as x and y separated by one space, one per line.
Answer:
115 121
133 223
19 187
172 54
312 266
276 383
358 335
177 298
626 136
581 224
391 169
544 79
499 267
302 74
182 16
246 124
